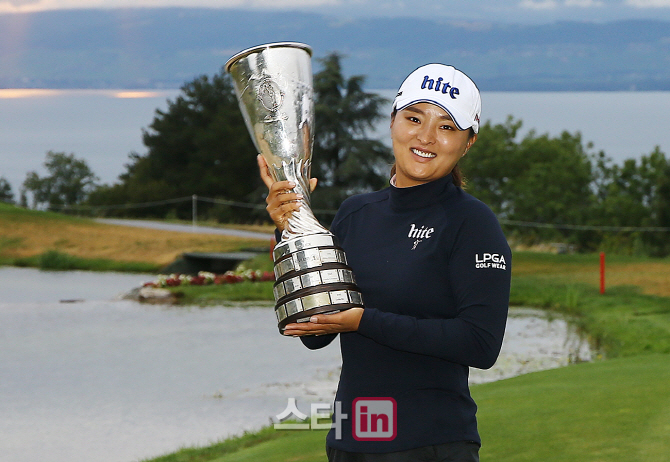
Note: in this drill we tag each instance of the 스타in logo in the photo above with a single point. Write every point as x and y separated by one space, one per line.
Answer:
374 419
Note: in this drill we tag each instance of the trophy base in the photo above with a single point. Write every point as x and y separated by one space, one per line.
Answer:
312 277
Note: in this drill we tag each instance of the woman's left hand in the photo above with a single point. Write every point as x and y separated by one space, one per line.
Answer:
322 324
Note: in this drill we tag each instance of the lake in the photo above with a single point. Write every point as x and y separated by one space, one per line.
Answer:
88 376
104 126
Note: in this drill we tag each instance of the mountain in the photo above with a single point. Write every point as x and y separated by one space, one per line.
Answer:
166 47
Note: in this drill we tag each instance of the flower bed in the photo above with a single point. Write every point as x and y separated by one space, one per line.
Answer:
206 278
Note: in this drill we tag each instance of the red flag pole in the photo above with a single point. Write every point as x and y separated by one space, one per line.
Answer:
602 272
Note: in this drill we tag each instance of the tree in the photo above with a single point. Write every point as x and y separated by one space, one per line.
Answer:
540 179
6 194
636 194
345 160
661 206
489 165
200 145
69 181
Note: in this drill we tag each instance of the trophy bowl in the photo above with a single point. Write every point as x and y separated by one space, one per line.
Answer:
273 85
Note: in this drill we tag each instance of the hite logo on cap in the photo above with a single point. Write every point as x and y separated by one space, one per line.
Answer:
444 87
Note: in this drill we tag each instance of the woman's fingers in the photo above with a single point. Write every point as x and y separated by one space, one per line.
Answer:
265 172
282 202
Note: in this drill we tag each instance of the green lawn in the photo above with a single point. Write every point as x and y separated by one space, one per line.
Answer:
609 411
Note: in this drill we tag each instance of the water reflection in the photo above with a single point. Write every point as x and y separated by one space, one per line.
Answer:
535 341
28 285
113 380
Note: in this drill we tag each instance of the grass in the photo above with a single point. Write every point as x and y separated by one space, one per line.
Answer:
54 260
30 237
607 411
266 445
651 275
248 444
216 294
627 320
616 410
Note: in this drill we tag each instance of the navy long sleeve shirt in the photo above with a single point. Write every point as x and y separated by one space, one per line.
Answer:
434 269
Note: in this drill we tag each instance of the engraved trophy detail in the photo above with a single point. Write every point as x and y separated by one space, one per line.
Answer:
273 84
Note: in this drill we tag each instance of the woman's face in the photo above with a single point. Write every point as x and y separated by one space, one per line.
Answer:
426 144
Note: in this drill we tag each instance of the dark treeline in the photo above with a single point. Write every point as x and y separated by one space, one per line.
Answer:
544 189
558 181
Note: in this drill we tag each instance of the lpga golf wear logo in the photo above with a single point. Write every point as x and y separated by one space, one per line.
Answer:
490 260
373 419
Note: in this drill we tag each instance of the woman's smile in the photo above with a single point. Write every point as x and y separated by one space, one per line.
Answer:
424 154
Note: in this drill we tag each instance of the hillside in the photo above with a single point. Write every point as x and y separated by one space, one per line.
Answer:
26 235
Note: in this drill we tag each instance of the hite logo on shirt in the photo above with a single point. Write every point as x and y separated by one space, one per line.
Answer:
490 260
419 234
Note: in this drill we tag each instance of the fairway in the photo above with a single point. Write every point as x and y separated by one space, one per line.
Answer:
610 411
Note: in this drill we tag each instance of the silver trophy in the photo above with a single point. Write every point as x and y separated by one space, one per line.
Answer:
273 83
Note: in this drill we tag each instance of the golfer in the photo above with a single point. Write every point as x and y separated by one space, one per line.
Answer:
434 269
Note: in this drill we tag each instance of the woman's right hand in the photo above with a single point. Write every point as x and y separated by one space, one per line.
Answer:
281 199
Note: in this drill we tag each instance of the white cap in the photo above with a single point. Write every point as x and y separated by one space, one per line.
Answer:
446 87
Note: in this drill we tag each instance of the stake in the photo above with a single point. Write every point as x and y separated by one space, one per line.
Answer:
602 272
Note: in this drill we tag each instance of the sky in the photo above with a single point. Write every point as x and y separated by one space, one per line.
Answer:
514 11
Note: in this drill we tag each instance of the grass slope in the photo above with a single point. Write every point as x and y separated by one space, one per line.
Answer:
28 237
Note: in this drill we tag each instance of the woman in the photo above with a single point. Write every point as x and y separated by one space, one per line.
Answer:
434 269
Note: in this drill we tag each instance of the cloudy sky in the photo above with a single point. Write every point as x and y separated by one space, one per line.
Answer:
525 11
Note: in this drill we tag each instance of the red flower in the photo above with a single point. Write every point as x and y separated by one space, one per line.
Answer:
198 280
